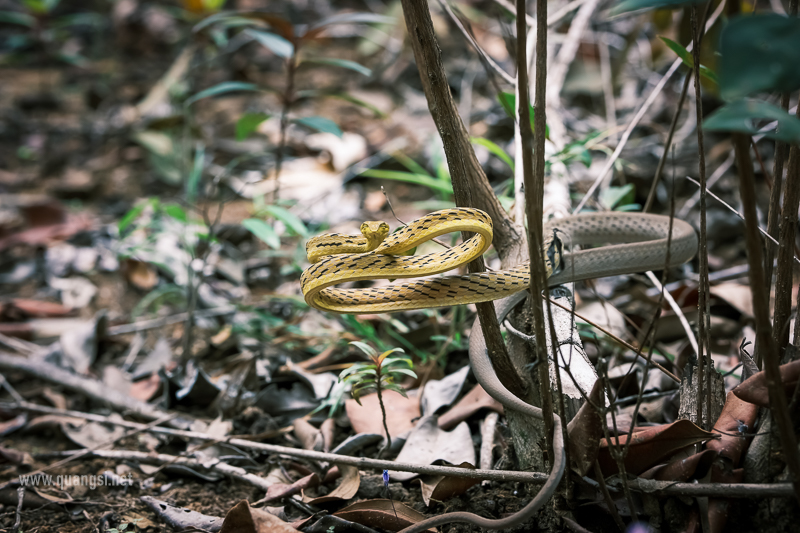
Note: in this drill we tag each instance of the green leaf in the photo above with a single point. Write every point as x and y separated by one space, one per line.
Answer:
396 388
248 123
682 52
382 358
419 179
639 5
759 53
175 211
688 60
405 371
613 196
389 361
287 217
509 103
354 18
193 181
364 347
263 231
272 42
494 149
22 19
320 124
222 88
133 214
740 116
343 63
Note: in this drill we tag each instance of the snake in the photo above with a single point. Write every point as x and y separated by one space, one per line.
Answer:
612 243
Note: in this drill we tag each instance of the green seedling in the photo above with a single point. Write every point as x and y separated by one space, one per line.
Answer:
378 374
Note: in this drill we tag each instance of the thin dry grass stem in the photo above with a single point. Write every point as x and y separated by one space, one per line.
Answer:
638 116
788 227
691 74
703 381
777 397
777 172
619 341
612 507
786 246
485 58
616 450
533 173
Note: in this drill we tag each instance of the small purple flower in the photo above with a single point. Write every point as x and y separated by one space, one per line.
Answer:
386 478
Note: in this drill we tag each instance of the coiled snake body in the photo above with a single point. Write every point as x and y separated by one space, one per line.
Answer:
632 242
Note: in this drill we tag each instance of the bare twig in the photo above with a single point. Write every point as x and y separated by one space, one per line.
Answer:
486 58
90 388
777 396
785 270
470 186
768 238
638 116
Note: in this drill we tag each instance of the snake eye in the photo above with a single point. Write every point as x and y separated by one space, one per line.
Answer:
364 228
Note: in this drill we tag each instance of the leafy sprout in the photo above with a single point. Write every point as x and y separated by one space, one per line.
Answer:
379 373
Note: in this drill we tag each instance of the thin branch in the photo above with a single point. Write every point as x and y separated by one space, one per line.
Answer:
361 462
639 115
777 396
486 58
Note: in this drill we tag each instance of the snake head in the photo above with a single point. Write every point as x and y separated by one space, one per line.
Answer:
554 251
375 231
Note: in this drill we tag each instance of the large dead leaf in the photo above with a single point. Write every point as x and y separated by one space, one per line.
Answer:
440 488
428 443
244 519
346 489
652 445
439 393
279 491
381 513
695 466
400 413
471 403
754 389
22 308
738 416
585 431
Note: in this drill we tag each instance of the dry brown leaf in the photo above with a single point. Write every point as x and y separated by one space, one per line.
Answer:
400 413
440 488
346 489
738 416
140 274
652 445
280 490
754 389
695 466
21 308
244 519
146 389
309 436
381 513
585 431
471 403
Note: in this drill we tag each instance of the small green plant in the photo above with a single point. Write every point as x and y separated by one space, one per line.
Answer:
44 32
377 375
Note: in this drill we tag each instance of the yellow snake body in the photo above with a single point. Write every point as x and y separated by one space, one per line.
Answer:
337 260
